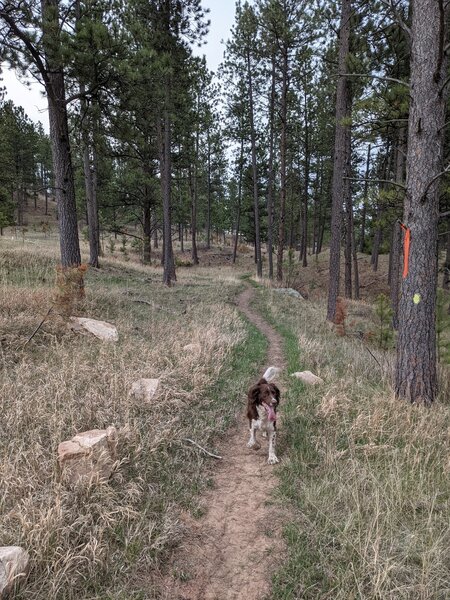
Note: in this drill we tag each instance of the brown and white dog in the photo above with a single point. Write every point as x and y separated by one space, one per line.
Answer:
263 400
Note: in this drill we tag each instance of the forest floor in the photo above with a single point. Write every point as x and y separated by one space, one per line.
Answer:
357 508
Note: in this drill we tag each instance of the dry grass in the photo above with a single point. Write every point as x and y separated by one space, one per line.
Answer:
368 476
84 542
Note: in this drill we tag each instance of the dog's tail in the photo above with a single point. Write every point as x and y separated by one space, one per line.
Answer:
271 373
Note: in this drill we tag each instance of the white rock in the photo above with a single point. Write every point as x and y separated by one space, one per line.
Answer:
101 329
144 389
307 377
271 373
289 292
88 456
14 562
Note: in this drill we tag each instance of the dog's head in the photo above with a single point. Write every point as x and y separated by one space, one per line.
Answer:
264 393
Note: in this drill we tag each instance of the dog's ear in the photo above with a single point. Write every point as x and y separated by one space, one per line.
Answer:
253 393
275 391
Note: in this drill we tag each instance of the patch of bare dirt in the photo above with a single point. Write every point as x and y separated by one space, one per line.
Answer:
231 552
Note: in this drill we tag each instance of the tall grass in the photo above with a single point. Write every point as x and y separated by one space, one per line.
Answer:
367 476
108 541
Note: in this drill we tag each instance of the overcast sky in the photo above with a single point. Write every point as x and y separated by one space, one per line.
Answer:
35 105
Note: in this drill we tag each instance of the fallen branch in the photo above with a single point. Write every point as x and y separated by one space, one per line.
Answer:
39 326
373 356
201 448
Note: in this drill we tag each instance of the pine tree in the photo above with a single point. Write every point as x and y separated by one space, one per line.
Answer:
415 376
43 53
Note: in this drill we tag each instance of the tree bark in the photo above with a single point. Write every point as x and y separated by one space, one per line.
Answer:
169 274
396 247
208 216
238 219
147 229
348 251
59 135
446 276
283 151
193 188
362 238
355 261
258 259
395 272
348 205
193 192
343 91
415 375
304 248
271 173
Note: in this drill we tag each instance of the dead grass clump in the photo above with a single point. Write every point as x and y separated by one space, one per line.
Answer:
69 288
340 316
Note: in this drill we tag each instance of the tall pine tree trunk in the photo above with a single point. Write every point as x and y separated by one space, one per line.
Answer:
348 252
283 152
362 237
258 258
90 183
208 216
147 228
349 233
304 248
271 173
59 136
193 192
396 247
342 103
415 375
238 218
355 261
90 180
165 161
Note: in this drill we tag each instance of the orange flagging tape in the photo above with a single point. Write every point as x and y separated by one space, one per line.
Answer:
406 246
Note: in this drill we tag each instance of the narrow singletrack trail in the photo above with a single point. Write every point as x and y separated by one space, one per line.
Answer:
232 551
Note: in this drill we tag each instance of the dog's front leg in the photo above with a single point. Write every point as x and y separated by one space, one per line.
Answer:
253 442
272 460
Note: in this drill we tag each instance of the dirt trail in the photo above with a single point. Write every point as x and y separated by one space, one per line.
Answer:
231 552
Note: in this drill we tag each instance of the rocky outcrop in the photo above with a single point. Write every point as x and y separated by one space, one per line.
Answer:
89 456
102 330
307 377
14 562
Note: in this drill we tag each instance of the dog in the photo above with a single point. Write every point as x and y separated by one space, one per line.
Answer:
262 404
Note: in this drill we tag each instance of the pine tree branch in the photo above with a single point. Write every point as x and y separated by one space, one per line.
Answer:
21 35
433 180
124 233
370 75
389 4
379 122
395 183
